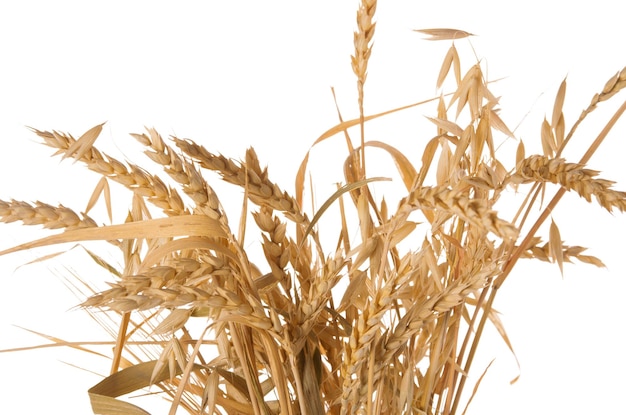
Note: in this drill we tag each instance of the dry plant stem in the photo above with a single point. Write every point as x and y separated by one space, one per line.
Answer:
119 343
522 247
187 372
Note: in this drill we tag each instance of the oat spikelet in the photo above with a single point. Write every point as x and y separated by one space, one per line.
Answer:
612 87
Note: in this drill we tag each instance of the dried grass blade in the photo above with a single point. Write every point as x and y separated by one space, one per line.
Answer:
124 382
407 171
443 34
104 264
105 405
497 323
193 242
186 225
57 342
343 126
480 379
347 188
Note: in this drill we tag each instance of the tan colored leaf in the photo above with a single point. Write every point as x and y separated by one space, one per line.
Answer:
341 127
334 197
192 242
105 405
476 386
407 171
124 382
443 34
186 225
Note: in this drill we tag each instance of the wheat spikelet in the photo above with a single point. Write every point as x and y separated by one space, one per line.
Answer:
542 253
362 43
184 173
261 190
367 331
572 176
39 213
476 211
132 177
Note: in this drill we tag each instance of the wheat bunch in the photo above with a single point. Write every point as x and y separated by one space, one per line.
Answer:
388 321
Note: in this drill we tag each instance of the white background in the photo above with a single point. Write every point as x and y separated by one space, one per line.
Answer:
235 74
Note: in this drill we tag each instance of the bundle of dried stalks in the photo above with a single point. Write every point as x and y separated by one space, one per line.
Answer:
388 322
